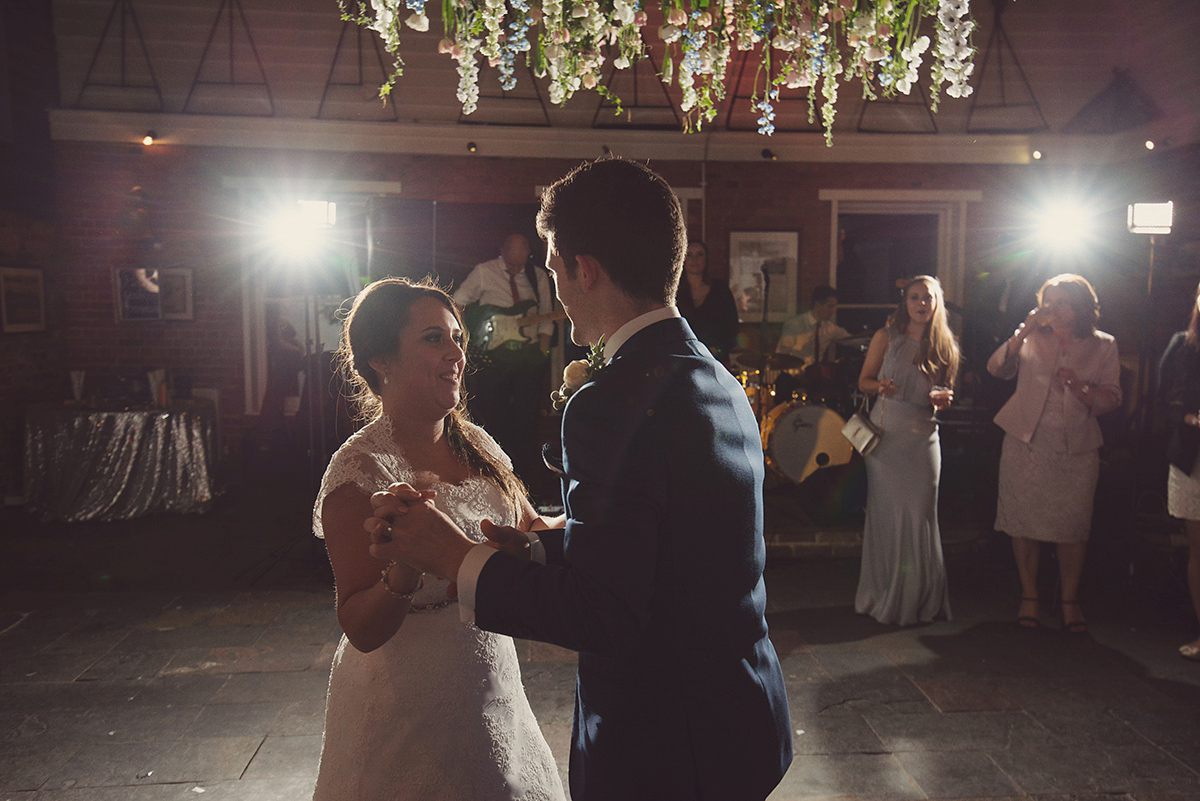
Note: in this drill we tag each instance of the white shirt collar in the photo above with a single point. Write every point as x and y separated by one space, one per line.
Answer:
611 346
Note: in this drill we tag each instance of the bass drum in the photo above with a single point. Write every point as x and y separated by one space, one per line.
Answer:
799 438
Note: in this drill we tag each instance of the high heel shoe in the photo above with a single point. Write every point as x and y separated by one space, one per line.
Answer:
1027 621
1075 626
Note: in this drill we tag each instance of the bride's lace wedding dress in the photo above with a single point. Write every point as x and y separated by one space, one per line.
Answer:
439 711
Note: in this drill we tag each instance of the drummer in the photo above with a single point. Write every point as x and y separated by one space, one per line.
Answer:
810 337
805 333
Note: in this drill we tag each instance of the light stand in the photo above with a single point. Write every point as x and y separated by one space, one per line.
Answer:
1150 219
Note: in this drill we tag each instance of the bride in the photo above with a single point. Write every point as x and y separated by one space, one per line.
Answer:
421 705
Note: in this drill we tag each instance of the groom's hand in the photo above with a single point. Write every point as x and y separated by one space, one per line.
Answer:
420 536
506 538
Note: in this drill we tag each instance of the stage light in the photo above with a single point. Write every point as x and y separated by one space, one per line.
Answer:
1065 224
472 147
1149 144
298 230
149 138
768 154
1037 155
1151 218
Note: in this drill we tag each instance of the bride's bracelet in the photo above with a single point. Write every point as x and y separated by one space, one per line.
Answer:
399 596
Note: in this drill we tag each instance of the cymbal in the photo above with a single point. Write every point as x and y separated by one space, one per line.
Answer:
780 361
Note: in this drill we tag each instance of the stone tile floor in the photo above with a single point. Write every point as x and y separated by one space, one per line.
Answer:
187 658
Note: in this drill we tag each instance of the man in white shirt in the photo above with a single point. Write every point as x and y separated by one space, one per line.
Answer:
508 383
814 329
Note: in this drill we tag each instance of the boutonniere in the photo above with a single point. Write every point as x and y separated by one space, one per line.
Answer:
578 373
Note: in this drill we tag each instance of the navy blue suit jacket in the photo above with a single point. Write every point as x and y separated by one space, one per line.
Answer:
657 582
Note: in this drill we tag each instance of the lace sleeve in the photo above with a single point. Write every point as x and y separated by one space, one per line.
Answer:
357 463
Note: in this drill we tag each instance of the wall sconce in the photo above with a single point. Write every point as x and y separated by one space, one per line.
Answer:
768 154
149 138
472 147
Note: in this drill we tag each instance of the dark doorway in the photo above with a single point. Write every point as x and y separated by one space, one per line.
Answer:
874 252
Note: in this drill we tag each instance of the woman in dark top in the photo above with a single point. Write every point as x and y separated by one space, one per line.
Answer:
706 304
1179 392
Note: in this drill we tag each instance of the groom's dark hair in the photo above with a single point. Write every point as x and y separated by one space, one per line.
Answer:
625 216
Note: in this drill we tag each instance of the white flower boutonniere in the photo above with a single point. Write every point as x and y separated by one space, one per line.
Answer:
578 373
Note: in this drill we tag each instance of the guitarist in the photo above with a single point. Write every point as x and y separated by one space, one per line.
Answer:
508 382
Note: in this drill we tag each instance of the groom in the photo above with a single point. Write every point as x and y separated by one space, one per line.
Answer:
656 579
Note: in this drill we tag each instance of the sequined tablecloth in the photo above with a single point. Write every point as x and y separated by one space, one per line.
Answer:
94 464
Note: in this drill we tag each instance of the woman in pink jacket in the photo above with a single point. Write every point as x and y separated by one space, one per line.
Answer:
1067 375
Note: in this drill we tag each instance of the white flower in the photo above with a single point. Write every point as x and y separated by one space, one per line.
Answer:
669 33
418 22
576 374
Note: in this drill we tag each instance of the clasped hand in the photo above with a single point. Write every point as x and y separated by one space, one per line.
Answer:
407 527
1070 380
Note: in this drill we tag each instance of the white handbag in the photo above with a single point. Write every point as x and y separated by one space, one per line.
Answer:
862 433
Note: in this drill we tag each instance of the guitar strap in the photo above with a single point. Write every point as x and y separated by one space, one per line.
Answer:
531 276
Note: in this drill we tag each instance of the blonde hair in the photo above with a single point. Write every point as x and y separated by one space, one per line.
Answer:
372 329
939 355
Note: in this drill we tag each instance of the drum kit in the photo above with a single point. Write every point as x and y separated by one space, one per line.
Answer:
801 410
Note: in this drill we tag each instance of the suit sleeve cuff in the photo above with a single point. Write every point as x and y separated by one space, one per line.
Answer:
468 577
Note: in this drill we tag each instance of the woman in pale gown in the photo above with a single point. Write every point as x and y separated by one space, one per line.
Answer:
421 705
910 364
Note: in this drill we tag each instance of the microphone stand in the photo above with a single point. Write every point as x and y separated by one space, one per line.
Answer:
762 344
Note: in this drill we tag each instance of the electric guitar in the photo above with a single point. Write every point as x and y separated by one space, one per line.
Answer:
494 328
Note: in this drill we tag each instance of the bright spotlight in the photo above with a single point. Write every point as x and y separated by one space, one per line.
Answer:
1149 144
297 230
1065 224
1037 155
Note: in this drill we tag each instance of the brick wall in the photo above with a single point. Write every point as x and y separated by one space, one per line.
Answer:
190 217
29 362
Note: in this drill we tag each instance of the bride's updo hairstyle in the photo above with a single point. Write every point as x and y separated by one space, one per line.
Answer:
372 329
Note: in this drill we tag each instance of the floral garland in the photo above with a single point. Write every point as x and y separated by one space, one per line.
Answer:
815 43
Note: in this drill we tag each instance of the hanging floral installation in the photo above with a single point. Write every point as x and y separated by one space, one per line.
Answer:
817 44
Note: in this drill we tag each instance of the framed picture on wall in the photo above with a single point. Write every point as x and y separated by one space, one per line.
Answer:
149 294
22 299
762 274
175 293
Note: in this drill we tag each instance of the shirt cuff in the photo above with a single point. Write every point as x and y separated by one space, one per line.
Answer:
537 549
468 577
